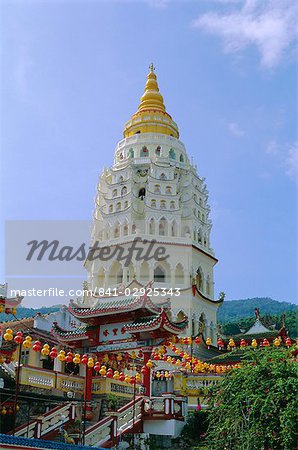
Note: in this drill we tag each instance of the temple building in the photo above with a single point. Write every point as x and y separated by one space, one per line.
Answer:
153 192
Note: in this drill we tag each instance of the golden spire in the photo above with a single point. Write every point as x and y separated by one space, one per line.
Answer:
151 116
152 98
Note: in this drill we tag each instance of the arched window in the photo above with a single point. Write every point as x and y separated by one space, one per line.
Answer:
125 204
111 208
199 279
159 275
157 189
131 153
162 229
172 154
181 158
125 229
157 151
208 285
199 215
168 190
114 194
151 226
195 197
163 176
117 231
118 206
119 276
174 229
179 274
142 193
124 190
162 204
133 228
120 156
144 152
203 217
172 205
153 203
200 201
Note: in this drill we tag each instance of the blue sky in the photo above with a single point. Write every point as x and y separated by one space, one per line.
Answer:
72 73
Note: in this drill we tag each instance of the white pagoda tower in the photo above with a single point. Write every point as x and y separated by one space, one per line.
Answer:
152 191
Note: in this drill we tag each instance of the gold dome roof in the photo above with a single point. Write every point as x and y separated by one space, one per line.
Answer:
151 116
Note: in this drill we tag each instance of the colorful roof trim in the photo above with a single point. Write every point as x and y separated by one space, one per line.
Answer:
78 333
156 322
117 306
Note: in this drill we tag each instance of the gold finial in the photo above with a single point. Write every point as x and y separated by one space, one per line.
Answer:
151 67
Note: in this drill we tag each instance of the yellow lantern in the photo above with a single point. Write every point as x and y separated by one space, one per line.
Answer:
90 362
133 355
169 359
254 343
13 311
76 359
2 359
61 355
116 375
149 363
138 377
119 357
167 374
8 336
177 351
3 411
1 308
208 341
232 343
127 378
45 350
188 365
178 362
27 343
276 342
103 371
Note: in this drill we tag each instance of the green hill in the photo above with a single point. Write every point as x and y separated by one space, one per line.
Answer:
22 312
235 310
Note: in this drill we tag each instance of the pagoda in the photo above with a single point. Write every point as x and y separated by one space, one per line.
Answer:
150 265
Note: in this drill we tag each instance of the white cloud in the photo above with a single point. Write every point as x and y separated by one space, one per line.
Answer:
286 157
291 162
270 25
235 129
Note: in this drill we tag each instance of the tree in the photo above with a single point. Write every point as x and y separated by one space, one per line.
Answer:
255 407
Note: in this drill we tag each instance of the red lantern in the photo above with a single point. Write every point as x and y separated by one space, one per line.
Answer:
144 370
174 348
266 343
7 310
243 343
121 377
173 361
97 366
197 340
84 359
69 357
220 343
140 354
182 354
288 342
132 380
110 373
36 346
19 338
53 353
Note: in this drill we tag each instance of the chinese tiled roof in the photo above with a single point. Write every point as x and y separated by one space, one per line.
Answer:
126 304
78 333
156 322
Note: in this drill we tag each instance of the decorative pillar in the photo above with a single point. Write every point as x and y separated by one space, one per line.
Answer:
147 375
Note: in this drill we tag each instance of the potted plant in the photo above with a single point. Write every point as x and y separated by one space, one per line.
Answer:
112 402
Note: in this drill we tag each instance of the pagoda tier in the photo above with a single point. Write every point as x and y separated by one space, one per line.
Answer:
143 328
120 308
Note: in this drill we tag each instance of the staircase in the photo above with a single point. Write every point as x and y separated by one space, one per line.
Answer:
48 422
107 432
